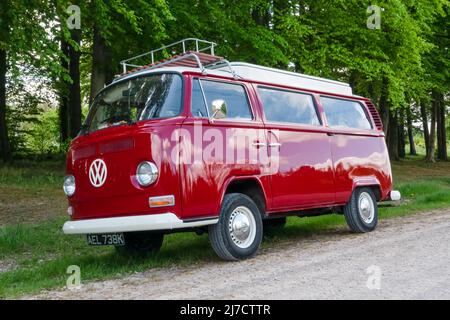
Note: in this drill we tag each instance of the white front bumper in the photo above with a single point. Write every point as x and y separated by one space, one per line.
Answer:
164 221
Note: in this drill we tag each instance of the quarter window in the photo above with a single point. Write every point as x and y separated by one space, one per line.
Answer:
288 106
345 114
234 96
198 107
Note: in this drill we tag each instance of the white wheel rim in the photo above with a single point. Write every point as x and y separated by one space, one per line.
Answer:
242 227
366 207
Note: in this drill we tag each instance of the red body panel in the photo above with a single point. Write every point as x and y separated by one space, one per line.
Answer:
318 166
305 175
121 194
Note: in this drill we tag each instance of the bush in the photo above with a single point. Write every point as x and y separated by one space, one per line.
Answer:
44 137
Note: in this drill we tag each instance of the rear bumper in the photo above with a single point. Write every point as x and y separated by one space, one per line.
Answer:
395 195
164 221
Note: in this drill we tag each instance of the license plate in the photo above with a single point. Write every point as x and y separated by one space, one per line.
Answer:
111 239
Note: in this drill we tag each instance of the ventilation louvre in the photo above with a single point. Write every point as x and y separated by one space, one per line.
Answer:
375 116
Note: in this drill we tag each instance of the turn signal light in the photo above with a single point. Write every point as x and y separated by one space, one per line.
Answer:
164 201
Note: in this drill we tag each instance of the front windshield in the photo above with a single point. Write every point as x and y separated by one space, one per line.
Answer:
142 98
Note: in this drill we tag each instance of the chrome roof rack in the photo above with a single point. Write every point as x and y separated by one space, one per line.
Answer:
185 49
194 54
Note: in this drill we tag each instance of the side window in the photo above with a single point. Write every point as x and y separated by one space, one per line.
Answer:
345 114
288 106
233 94
198 107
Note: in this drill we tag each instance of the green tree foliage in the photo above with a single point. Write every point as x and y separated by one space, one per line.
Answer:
398 66
44 137
241 28
25 45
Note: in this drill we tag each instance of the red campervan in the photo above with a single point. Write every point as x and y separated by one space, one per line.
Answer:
196 143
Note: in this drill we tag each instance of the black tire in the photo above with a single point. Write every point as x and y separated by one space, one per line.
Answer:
360 220
141 243
222 238
274 223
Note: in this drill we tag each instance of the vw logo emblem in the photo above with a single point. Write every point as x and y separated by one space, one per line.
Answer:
98 173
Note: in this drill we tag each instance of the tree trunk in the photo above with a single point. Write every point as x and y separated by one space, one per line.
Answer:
371 93
352 81
261 17
438 128
63 96
432 147
4 137
102 73
441 129
74 88
401 134
384 106
392 136
426 133
412 146
280 9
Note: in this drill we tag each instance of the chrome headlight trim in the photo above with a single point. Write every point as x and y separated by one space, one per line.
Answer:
69 185
146 173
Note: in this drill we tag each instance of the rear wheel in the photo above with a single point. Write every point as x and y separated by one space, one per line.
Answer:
361 212
238 233
141 243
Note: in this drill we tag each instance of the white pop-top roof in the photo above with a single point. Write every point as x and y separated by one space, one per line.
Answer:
286 78
199 61
258 73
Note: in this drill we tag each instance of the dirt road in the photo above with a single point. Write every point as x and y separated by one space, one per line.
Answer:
405 258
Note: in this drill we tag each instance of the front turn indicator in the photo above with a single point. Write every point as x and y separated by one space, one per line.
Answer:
164 201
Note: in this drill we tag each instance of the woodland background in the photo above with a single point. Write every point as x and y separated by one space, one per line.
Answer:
49 73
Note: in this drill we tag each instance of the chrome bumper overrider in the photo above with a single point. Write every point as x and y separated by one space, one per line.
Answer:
395 195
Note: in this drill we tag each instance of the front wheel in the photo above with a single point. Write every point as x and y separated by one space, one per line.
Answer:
141 243
361 212
238 233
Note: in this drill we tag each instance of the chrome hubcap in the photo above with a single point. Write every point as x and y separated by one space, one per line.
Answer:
242 227
366 207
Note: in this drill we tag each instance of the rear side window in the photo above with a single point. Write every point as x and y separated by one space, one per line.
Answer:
345 114
288 106
233 94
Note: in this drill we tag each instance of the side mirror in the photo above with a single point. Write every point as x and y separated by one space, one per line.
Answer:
219 109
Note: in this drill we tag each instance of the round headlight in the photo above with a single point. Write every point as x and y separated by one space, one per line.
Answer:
146 173
69 185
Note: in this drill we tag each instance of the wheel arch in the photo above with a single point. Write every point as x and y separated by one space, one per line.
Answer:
251 187
368 182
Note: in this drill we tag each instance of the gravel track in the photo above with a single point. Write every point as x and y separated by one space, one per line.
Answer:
412 253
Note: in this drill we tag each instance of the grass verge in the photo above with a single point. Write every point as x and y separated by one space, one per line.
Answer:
38 255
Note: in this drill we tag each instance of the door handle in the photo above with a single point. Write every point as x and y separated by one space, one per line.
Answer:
274 144
259 144
330 134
